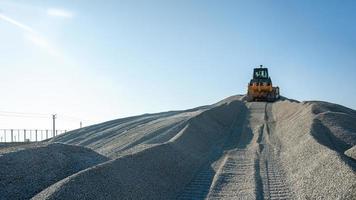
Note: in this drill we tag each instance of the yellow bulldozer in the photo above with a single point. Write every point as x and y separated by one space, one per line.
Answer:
260 87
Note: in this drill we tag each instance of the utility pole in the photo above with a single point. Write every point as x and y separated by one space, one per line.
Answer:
81 125
54 116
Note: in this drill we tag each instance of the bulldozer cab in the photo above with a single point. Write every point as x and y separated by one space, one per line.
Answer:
260 73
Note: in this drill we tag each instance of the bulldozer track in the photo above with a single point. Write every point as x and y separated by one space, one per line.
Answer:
251 170
273 178
272 175
235 177
199 187
274 184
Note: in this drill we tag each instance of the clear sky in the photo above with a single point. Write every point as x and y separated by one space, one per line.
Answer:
100 60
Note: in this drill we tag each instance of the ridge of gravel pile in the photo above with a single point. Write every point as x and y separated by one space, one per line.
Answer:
114 137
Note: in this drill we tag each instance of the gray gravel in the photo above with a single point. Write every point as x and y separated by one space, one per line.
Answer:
159 172
313 137
304 149
25 173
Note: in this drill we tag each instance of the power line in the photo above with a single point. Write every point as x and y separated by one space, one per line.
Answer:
75 118
41 115
23 116
22 113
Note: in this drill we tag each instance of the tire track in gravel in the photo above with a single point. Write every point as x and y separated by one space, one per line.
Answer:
272 174
239 177
249 170
236 176
199 187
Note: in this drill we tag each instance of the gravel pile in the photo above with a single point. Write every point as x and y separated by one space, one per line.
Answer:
160 172
154 156
25 173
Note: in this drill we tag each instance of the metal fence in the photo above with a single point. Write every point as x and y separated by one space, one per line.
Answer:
27 135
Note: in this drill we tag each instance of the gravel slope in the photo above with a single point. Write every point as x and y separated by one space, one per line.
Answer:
313 137
159 172
231 149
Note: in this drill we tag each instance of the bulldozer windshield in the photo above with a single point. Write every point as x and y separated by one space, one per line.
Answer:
260 73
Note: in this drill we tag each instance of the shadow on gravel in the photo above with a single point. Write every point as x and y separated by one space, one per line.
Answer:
240 136
258 179
241 133
324 136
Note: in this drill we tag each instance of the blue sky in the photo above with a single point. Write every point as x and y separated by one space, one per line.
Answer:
100 60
